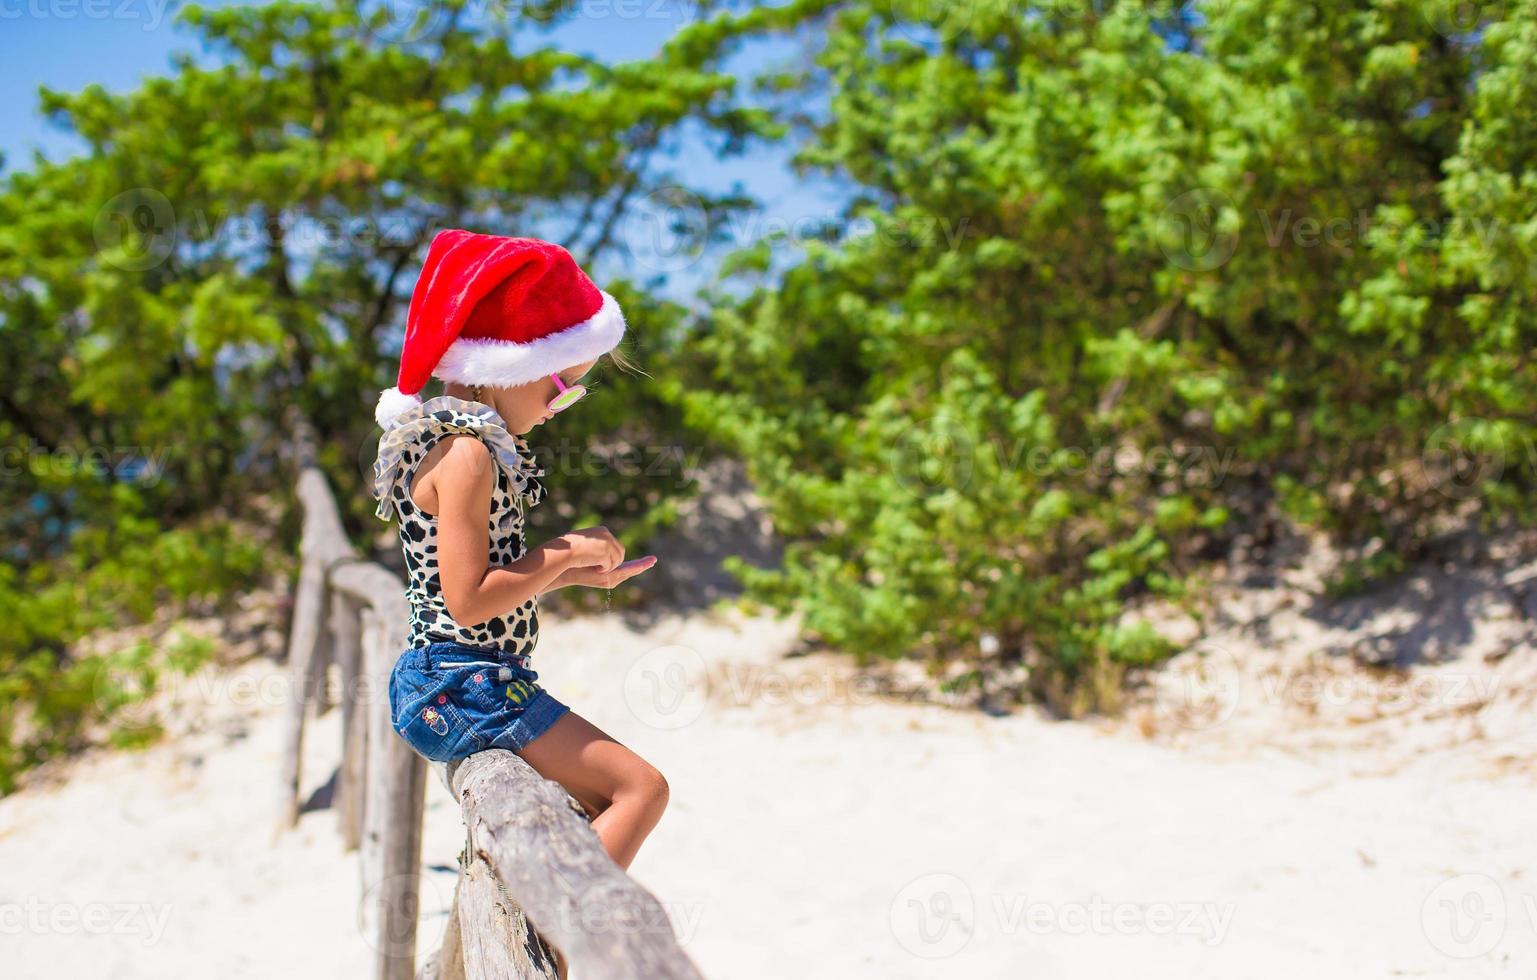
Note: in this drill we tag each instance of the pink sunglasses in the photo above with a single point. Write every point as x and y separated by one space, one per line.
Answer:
569 395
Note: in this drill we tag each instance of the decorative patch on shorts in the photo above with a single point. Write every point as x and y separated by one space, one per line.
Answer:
521 691
435 721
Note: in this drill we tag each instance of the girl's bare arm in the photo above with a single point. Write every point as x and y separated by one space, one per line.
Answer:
473 591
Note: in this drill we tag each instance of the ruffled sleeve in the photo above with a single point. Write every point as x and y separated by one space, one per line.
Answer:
444 415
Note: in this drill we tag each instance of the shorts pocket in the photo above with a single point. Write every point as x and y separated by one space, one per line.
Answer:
501 690
438 729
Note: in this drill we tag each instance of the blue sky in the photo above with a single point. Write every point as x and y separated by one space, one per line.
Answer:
69 44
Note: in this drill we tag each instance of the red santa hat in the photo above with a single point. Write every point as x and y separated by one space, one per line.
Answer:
497 311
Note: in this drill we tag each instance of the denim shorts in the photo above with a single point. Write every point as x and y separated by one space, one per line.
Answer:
449 700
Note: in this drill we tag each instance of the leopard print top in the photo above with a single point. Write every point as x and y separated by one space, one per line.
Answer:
401 448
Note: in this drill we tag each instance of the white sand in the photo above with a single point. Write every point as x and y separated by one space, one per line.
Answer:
815 831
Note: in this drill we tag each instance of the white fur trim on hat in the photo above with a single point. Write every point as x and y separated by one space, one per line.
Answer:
502 363
392 404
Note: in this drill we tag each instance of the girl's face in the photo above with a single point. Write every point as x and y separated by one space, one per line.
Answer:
524 406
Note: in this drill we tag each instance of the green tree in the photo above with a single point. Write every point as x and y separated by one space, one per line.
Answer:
1120 282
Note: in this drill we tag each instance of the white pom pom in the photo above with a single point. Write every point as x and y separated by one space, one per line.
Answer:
392 405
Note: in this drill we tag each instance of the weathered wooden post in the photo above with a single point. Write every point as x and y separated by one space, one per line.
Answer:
302 639
347 642
396 781
324 543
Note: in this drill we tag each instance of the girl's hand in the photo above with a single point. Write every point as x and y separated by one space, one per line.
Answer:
593 546
593 576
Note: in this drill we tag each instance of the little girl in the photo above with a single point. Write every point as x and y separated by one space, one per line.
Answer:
512 325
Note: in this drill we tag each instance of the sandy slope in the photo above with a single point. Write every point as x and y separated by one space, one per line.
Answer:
818 831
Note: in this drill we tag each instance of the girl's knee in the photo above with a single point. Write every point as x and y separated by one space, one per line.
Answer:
650 785
659 789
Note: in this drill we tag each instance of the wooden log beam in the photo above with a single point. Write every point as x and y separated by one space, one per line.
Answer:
535 840
498 943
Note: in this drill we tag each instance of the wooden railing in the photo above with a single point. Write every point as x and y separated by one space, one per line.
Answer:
534 877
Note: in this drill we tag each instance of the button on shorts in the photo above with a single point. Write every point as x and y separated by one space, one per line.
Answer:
449 700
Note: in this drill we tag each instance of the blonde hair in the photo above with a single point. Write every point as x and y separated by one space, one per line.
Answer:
622 362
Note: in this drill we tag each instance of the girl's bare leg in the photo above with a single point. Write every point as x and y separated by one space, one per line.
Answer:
604 776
